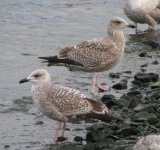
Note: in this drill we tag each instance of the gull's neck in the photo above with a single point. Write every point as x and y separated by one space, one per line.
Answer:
40 84
116 35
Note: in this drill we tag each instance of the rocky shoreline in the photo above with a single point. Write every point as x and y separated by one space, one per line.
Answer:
139 108
138 105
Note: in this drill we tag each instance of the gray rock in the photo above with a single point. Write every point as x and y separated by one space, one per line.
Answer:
145 108
134 93
144 65
109 100
145 116
146 77
127 131
115 75
155 62
61 138
121 85
143 54
78 139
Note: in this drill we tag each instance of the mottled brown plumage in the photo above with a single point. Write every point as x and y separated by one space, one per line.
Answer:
143 12
149 142
63 103
95 55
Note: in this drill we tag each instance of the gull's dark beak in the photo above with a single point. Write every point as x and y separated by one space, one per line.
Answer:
131 26
23 80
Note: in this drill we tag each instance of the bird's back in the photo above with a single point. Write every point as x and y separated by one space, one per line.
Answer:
61 102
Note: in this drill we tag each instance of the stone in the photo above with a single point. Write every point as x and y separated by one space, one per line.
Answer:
144 65
155 85
115 75
127 131
39 122
121 85
99 132
153 96
155 62
145 116
127 72
152 44
134 93
109 100
145 108
78 139
61 138
146 77
7 146
133 102
143 54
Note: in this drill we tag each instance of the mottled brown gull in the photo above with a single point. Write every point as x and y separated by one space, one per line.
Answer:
149 142
95 55
63 103
143 12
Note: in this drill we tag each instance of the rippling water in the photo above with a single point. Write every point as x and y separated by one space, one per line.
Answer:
39 28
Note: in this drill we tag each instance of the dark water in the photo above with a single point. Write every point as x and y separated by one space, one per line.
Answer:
39 28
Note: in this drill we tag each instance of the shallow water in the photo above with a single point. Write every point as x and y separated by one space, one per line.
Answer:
39 28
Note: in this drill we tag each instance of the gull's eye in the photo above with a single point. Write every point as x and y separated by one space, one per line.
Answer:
118 22
37 75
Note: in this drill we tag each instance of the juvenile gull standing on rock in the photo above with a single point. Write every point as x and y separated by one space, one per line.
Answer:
149 142
63 103
144 12
95 55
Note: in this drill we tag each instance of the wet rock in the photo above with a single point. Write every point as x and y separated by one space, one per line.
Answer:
115 75
153 96
99 132
143 70
146 77
123 101
145 116
7 146
109 100
127 72
61 138
127 131
144 65
137 82
39 122
143 54
155 85
133 102
155 62
153 44
134 93
120 86
78 139
145 108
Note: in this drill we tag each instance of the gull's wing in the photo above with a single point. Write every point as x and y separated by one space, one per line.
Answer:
90 53
70 102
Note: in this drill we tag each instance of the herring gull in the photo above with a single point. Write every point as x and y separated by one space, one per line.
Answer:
95 55
63 103
149 142
143 12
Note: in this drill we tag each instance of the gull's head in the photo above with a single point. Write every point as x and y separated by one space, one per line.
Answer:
117 23
37 76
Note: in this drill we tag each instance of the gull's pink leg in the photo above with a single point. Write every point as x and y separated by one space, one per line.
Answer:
101 86
63 129
56 132
94 83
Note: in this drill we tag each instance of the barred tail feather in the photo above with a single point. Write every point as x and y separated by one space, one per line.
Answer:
55 60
